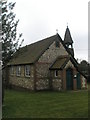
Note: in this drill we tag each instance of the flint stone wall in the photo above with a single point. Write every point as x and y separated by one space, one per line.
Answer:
22 80
43 65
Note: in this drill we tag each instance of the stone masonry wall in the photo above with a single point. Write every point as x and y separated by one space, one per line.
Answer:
52 53
56 81
42 76
44 63
22 80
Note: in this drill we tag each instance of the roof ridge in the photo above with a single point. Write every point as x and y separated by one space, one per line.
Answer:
38 41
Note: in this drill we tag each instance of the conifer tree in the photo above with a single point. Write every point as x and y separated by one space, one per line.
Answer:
11 41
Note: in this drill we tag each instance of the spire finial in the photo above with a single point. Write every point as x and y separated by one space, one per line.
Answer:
56 31
67 24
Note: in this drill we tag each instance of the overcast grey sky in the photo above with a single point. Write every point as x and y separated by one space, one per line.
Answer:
40 19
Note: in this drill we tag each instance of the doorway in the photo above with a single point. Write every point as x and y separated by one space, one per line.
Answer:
69 79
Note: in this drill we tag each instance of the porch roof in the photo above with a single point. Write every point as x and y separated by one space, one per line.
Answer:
60 62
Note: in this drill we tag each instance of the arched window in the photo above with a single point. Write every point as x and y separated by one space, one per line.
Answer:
56 73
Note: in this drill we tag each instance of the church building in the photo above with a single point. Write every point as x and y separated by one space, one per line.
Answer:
48 64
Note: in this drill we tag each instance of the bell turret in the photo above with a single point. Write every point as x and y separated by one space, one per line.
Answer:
68 41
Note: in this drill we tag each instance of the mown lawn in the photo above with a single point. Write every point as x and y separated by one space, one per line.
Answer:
45 104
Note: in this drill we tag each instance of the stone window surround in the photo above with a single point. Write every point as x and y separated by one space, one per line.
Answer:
27 70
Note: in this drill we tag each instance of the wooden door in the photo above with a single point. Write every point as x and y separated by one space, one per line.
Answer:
69 79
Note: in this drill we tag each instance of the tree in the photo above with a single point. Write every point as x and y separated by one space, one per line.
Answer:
83 66
11 41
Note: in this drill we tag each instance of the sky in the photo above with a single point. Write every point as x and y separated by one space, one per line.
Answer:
40 19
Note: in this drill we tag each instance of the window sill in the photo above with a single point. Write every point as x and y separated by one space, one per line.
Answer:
56 77
27 76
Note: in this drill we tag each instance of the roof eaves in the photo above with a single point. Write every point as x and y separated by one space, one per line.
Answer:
20 64
55 68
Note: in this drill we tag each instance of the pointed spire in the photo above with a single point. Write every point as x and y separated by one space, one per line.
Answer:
67 37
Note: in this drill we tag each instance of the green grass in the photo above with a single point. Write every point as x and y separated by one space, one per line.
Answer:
45 104
88 86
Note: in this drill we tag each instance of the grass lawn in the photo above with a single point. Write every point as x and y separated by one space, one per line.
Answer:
89 86
71 104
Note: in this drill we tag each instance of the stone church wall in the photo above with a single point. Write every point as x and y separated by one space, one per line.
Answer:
56 81
22 81
44 63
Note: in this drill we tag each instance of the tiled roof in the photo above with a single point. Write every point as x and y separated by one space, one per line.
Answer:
30 53
60 62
